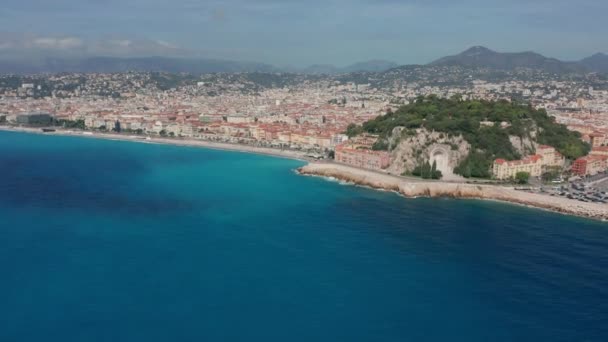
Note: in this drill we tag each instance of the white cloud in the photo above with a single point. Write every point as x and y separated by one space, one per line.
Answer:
57 43
6 45
27 43
166 44
122 43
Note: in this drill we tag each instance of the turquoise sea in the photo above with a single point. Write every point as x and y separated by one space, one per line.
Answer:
120 241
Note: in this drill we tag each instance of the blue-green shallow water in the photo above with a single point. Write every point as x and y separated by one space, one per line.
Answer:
117 241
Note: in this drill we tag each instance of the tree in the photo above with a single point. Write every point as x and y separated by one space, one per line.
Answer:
522 177
435 174
78 124
426 171
353 130
551 173
380 145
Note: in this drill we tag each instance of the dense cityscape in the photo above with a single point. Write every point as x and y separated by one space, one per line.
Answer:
299 112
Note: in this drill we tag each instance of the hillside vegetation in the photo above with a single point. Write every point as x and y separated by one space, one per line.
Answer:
486 125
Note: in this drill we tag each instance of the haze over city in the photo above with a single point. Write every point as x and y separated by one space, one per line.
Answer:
301 33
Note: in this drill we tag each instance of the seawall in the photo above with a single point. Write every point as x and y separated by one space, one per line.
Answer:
420 188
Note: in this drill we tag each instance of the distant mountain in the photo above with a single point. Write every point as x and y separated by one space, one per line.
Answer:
597 62
169 64
479 56
319 69
376 65
115 64
475 57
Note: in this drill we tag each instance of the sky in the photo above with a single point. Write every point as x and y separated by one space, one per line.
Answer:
302 32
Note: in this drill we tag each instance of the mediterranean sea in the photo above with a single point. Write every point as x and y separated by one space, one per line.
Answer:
121 241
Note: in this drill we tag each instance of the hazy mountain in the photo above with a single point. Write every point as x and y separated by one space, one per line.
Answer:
376 65
479 56
168 64
475 57
116 64
597 62
318 69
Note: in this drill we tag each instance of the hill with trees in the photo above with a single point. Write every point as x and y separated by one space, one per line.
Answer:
490 127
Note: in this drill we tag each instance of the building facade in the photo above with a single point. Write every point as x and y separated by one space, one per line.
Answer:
503 169
35 119
550 157
599 151
597 139
590 165
363 158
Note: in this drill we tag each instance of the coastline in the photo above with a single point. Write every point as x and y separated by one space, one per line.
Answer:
407 187
413 188
288 154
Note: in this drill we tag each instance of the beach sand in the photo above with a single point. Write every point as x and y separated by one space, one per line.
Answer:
290 154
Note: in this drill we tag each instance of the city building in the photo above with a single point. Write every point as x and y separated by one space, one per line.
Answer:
503 169
599 151
597 139
363 158
590 165
550 157
35 119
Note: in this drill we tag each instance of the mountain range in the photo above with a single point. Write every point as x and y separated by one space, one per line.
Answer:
376 65
118 64
482 57
475 57
597 62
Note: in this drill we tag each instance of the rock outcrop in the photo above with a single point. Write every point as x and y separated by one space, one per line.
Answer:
413 148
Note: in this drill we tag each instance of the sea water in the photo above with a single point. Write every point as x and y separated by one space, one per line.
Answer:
120 241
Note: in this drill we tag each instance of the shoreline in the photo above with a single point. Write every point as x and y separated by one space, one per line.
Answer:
407 187
267 151
413 188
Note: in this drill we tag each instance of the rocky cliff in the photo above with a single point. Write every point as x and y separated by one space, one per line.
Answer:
412 148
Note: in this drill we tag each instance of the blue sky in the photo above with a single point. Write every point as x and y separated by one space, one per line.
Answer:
304 32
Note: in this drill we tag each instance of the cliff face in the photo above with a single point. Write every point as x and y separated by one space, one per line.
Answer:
418 188
523 145
415 148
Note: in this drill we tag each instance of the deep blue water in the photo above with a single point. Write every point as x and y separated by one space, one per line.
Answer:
117 241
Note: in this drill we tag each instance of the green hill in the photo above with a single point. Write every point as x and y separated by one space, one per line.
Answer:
486 125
